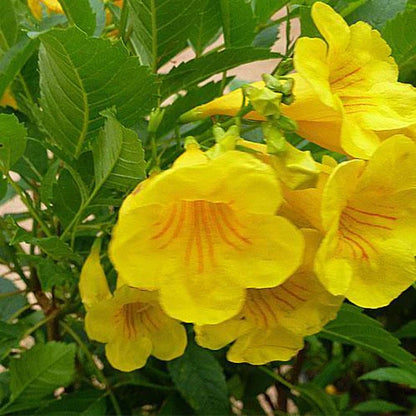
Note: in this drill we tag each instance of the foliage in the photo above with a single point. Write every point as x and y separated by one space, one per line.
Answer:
81 130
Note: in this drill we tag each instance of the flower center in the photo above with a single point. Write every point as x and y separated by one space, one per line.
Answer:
264 306
202 229
134 317
358 226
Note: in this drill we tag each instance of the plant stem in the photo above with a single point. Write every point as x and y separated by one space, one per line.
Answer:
28 202
278 377
100 375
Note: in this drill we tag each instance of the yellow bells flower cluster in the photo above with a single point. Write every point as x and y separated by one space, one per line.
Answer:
205 231
367 213
347 97
273 322
130 322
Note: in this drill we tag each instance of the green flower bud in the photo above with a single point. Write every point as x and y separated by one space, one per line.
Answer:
265 101
275 140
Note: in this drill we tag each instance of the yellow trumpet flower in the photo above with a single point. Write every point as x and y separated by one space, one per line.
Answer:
204 231
273 322
130 322
347 97
368 214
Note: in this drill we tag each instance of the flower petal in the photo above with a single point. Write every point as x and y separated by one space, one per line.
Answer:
261 347
170 340
128 355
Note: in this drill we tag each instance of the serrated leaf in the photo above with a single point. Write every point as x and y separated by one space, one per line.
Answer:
377 12
352 327
80 403
207 26
393 375
118 156
37 373
190 73
50 178
14 59
238 22
8 25
80 77
161 28
200 380
12 141
399 33
80 13
378 407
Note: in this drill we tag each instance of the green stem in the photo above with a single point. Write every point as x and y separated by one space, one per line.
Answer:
100 375
123 20
27 201
11 294
278 378
154 35
40 324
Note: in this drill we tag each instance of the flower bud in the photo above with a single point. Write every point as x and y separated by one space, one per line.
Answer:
265 101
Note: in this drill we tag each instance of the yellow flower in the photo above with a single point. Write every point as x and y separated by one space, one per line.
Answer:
273 322
8 99
52 6
130 322
347 97
368 213
204 231
353 74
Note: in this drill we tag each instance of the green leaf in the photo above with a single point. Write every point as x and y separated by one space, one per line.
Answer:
37 373
194 97
118 156
80 13
12 141
66 197
407 331
264 9
377 12
377 407
51 274
352 327
10 335
81 403
161 28
51 246
399 33
393 375
34 162
80 77
200 380
190 73
11 304
3 187
8 25
14 59
238 22
207 27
